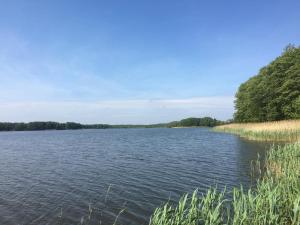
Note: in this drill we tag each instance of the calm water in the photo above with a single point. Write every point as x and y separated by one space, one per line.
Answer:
46 174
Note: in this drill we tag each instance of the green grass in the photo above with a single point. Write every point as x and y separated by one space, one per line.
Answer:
274 200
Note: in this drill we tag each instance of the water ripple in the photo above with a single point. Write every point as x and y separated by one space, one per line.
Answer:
56 176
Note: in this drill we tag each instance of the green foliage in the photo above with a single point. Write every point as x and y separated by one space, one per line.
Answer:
273 94
48 126
188 122
206 121
196 122
275 200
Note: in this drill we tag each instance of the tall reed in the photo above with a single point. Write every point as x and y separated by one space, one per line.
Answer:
286 130
274 200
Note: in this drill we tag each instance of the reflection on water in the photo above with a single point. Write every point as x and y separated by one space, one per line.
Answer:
54 177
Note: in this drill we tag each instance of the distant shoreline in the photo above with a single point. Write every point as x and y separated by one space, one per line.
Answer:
188 127
50 125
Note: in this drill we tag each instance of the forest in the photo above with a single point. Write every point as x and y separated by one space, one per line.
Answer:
196 122
274 93
49 125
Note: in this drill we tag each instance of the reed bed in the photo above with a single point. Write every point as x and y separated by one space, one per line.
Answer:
286 130
274 200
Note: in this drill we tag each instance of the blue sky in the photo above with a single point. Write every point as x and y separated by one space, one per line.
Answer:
135 61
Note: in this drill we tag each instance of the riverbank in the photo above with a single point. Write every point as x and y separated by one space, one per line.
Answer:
286 130
274 200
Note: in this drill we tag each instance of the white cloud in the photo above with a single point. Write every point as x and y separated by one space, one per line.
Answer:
116 112
38 85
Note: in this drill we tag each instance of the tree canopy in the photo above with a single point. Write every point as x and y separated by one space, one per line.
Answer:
196 122
274 93
49 125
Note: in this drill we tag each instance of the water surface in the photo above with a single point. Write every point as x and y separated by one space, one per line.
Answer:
53 177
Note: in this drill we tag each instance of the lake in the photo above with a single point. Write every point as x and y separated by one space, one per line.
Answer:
55 177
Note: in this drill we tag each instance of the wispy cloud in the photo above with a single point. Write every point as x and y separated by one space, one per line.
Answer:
126 111
73 87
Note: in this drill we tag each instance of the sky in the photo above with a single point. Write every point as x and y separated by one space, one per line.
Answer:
137 61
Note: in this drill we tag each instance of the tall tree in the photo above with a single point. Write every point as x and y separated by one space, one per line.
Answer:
273 94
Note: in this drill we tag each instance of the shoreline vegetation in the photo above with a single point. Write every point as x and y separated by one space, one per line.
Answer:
49 125
274 200
286 130
267 109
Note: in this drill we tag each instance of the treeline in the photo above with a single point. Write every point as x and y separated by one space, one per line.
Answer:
31 126
48 126
196 122
273 94
188 122
139 126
